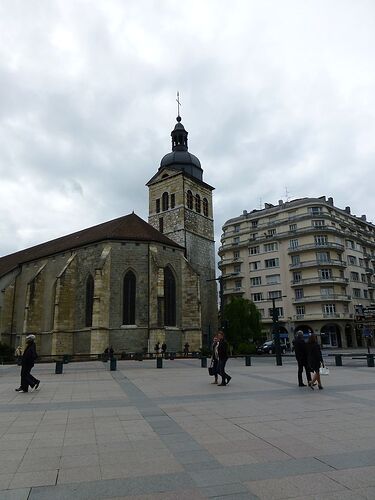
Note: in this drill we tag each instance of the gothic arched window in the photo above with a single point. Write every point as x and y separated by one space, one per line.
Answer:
128 309
89 300
205 207
165 201
169 298
189 199
198 203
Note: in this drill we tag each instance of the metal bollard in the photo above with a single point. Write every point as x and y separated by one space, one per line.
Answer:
59 367
370 360
248 360
159 362
113 365
338 359
204 362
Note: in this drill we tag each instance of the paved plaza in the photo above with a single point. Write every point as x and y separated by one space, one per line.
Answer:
144 433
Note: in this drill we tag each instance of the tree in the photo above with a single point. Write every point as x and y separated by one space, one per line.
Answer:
243 321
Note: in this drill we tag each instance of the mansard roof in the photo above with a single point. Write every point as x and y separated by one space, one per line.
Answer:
127 228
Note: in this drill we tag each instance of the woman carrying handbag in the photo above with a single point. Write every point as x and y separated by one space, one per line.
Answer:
315 359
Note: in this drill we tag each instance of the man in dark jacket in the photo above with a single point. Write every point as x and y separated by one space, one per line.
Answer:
223 354
300 351
28 358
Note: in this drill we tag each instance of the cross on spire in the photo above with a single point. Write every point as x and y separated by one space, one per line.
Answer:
178 103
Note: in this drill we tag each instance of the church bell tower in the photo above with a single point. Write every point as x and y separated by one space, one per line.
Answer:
180 206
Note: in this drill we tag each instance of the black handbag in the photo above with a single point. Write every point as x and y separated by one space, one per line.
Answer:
211 370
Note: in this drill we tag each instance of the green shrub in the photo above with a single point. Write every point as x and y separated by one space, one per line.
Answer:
246 348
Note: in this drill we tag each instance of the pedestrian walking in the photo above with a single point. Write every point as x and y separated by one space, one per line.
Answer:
300 351
163 349
215 359
111 352
223 355
315 359
186 350
28 359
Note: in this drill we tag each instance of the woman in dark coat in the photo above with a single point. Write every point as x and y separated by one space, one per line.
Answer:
315 359
28 358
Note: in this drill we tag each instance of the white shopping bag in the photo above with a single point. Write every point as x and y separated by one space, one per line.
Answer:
324 370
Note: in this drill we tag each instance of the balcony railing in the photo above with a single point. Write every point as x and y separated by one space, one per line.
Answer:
318 263
314 281
317 316
316 246
334 297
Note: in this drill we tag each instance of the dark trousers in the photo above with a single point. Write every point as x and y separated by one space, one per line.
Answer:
302 364
221 369
27 379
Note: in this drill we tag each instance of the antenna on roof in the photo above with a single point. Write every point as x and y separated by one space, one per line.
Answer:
287 194
260 203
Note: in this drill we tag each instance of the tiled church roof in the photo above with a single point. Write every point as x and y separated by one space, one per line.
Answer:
127 228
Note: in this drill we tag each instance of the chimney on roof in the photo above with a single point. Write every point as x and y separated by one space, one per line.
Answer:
268 205
330 201
244 213
363 217
347 210
281 202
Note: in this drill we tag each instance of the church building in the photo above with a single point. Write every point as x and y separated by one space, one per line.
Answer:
126 282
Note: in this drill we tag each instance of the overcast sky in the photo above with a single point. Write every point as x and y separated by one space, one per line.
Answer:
278 98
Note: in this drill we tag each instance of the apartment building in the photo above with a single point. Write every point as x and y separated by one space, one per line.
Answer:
311 260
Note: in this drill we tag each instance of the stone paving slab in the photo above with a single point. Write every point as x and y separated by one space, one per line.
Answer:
141 433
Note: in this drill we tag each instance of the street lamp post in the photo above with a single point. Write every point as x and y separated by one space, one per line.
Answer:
276 333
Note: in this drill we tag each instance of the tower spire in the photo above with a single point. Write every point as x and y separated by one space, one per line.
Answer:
178 106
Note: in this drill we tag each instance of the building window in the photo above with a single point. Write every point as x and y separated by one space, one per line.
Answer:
300 310
315 210
236 240
293 244
292 227
318 223
129 287
253 236
327 290
363 278
295 260
254 266
325 274
89 300
237 268
352 260
275 294
165 201
357 293
329 309
297 277
257 297
271 263
270 247
237 284
321 240
236 228
273 279
350 244
271 232
354 276
254 250
173 200
361 262
158 205
254 223
236 254
205 207
322 256
256 281
161 224
169 298
198 203
365 294
298 293
189 199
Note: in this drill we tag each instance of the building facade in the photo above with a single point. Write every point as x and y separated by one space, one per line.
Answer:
312 260
126 282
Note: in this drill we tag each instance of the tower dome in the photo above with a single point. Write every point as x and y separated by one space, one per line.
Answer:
180 158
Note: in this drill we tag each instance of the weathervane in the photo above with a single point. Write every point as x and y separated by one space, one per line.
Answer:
178 103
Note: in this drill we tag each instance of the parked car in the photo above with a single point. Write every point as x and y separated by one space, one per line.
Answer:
270 348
